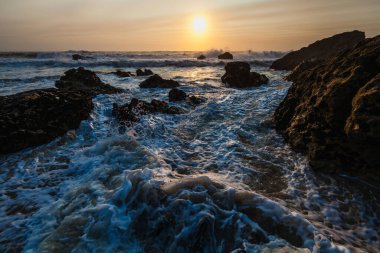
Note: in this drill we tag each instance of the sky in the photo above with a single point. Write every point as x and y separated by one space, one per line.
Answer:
167 25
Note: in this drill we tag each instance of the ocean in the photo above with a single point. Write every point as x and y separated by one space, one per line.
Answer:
218 178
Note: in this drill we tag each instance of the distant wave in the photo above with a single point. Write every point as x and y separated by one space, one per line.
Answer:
28 80
267 54
126 63
18 54
213 53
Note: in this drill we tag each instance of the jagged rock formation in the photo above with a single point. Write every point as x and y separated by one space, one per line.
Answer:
131 112
322 49
332 111
84 80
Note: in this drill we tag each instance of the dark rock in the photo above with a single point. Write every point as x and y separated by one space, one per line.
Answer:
36 117
332 111
201 57
84 80
179 95
125 114
77 57
258 79
238 75
322 49
129 113
176 95
121 73
156 81
226 56
145 72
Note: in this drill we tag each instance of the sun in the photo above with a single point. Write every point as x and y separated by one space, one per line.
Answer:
199 25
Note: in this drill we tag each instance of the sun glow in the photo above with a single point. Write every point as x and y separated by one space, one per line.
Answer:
199 25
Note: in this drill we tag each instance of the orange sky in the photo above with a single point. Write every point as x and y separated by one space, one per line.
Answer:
129 25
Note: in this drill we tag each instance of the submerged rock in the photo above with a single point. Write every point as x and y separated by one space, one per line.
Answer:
331 111
226 56
156 81
195 100
145 72
177 95
322 49
36 117
77 57
121 73
30 55
131 112
201 57
84 80
238 75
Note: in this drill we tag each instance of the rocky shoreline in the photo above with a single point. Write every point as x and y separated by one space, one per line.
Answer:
332 111
196 144
323 49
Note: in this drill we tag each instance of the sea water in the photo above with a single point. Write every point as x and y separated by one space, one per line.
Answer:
215 179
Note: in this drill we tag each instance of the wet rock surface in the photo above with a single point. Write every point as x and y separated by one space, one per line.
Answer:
322 49
131 112
226 56
176 95
145 72
36 117
85 80
238 75
146 189
156 81
169 210
332 112
195 100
